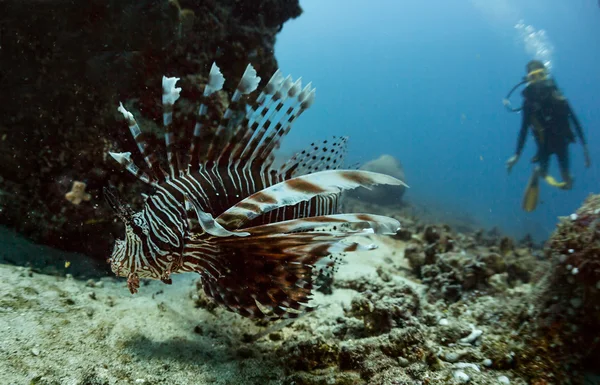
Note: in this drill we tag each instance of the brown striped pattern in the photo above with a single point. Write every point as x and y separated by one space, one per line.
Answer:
258 236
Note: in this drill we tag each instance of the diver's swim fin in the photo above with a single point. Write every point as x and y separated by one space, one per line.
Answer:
532 192
554 183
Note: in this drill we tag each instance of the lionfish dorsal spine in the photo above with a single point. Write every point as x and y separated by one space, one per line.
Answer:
242 138
261 123
124 158
283 126
247 84
169 97
215 83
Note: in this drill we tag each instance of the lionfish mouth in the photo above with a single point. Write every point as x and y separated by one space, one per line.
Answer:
257 234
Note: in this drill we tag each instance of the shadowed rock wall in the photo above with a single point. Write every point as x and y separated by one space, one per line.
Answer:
65 65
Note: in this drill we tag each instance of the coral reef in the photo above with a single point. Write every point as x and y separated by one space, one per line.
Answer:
68 64
564 326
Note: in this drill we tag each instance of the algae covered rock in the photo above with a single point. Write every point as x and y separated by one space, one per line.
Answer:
382 195
562 337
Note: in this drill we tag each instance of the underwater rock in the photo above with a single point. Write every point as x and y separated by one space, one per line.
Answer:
67 64
385 310
453 264
382 195
562 333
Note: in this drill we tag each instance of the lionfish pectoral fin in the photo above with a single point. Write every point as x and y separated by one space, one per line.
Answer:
332 224
209 224
133 283
273 275
300 189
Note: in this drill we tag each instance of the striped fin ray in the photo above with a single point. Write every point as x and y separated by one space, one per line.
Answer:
124 159
200 139
247 84
244 139
150 158
299 189
169 97
334 224
272 276
249 125
230 155
317 206
259 125
327 155
299 101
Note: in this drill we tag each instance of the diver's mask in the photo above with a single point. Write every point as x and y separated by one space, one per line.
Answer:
533 77
536 76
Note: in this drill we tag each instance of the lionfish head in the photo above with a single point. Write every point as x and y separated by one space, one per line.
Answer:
128 254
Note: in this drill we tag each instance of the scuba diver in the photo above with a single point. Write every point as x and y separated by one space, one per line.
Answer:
549 115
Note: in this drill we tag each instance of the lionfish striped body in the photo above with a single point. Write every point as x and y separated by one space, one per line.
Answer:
263 233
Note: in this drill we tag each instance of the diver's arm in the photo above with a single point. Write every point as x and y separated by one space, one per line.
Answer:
523 131
577 125
521 140
579 131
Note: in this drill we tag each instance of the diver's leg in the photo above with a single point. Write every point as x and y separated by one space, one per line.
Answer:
563 163
543 158
532 191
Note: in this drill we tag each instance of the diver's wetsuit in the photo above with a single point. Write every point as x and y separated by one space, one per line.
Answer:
547 112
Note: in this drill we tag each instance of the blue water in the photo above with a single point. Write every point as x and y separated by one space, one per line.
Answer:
424 81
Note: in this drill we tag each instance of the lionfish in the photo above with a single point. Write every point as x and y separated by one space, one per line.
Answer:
262 232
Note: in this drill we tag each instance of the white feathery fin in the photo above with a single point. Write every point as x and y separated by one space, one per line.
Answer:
273 84
123 158
215 80
300 189
126 114
310 99
249 81
169 97
295 88
170 93
208 223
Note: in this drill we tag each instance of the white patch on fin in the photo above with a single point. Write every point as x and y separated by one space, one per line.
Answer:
274 83
170 93
208 223
215 80
123 158
126 114
310 99
249 81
